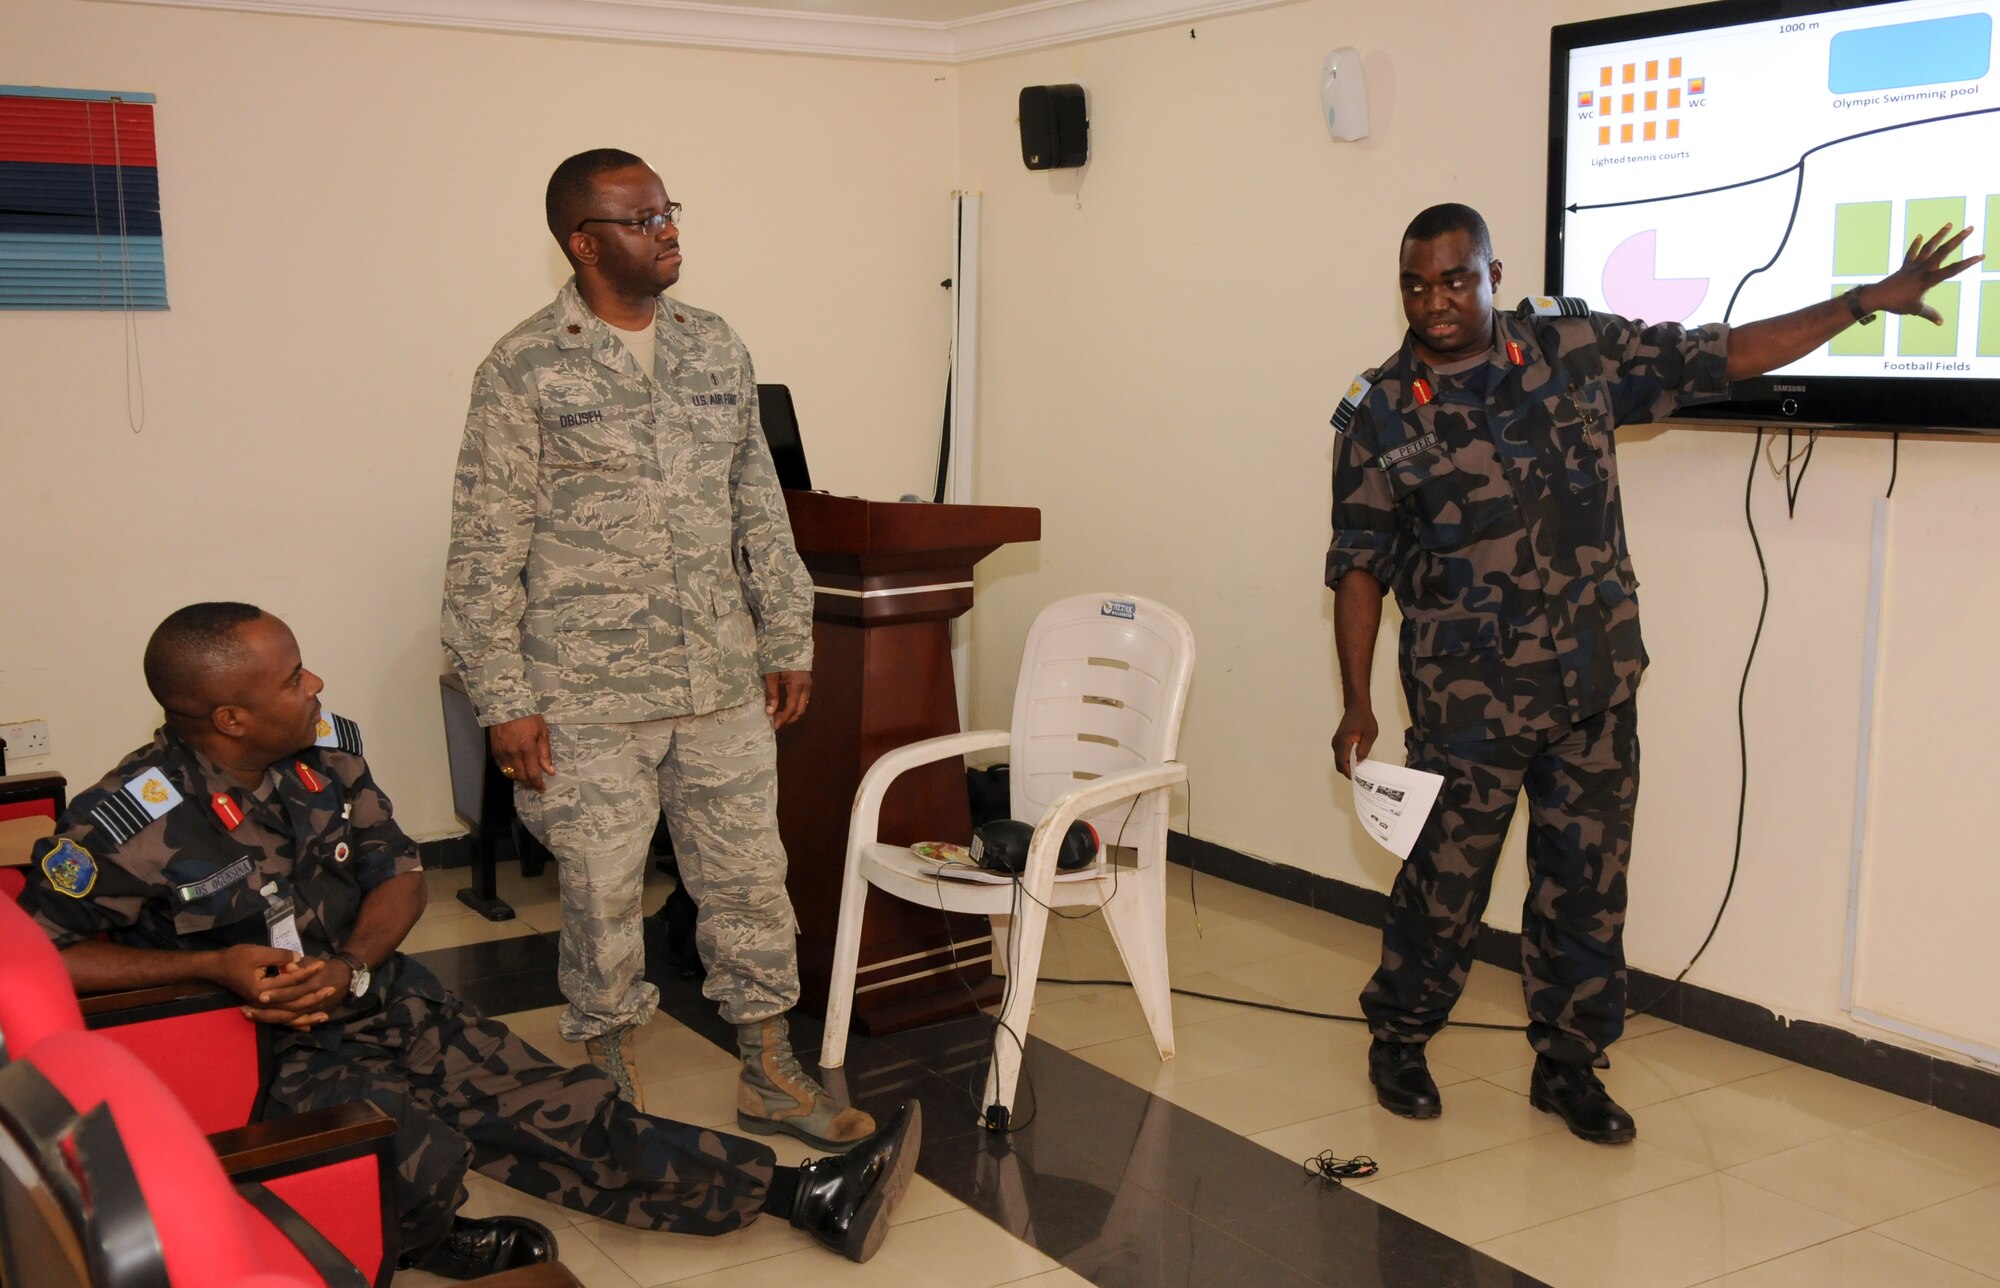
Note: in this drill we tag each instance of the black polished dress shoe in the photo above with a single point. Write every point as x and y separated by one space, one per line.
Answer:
484 1247
1402 1079
845 1201
1574 1094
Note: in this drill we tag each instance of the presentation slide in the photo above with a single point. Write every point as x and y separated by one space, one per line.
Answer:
1740 172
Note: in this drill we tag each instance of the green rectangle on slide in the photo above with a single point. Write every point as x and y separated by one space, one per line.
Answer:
1917 338
1989 319
1860 341
1926 215
1991 264
1861 239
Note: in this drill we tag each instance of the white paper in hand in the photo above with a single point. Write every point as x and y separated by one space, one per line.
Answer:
1392 803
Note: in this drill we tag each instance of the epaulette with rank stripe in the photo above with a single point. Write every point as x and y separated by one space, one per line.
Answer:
125 813
1554 306
340 732
1343 415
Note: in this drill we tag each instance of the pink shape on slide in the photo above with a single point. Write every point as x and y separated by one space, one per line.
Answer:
1631 290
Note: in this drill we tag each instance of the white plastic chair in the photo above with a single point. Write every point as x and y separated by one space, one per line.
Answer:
1097 721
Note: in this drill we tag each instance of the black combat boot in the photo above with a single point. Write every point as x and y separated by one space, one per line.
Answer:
1402 1079
845 1201
484 1247
1574 1094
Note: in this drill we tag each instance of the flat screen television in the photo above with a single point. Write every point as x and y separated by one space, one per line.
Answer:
1736 160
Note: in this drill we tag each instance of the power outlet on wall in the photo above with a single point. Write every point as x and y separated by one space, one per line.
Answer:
25 739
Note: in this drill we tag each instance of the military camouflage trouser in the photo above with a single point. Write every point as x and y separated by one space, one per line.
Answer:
1582 783
716 777
464 1091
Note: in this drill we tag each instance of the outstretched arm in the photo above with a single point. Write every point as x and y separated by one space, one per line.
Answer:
1758 347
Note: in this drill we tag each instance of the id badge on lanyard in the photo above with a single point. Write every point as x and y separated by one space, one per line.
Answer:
281 920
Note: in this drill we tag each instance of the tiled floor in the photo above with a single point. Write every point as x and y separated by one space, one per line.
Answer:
1749 1171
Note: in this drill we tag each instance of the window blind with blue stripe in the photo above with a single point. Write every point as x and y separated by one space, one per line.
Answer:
79 201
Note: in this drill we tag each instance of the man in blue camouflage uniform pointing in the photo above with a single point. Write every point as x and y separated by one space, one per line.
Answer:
1475 476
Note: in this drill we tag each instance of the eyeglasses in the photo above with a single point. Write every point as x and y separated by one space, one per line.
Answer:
648 225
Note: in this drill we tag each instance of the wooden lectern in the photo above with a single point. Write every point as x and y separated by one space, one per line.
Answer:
888 578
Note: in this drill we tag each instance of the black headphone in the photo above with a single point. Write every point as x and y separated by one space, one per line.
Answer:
1002 846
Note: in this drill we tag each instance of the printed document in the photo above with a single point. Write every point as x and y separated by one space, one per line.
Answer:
1392 803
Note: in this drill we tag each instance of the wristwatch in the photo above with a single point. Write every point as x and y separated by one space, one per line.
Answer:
361 976
1852 295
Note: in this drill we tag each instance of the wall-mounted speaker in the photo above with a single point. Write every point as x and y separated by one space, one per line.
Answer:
1055 132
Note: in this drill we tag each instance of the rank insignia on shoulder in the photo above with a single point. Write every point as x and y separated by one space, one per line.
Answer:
153 793
1554 306
1343 415
338 731
69 868
125 813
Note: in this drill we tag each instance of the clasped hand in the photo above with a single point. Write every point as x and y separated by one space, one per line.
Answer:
279 986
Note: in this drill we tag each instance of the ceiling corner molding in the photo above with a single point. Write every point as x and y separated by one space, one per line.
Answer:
778 30
1069 22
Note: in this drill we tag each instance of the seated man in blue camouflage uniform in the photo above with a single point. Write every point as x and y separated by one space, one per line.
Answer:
249 847
1475 476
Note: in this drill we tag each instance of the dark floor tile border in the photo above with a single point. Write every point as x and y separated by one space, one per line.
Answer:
1960 1088
1170 1230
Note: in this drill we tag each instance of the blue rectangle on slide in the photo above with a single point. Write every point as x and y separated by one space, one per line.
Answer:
1910 53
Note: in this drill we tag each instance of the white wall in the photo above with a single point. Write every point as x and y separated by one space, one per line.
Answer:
353 216
1166 333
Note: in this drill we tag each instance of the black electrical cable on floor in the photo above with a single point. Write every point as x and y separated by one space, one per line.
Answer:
1275 1006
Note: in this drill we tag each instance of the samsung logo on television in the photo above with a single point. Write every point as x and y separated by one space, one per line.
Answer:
1788 389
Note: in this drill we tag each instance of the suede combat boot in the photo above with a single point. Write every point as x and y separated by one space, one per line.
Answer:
1402 1078
845 1201
775 1094
1573 1093
613 1053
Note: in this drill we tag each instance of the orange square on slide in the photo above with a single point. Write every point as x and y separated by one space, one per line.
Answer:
1603 135
1673 129
1604 76
1628 102
1607 106
1653 69
1673 98
1649 131
1673 67
1629 70
1697 84
1624 134
1652 100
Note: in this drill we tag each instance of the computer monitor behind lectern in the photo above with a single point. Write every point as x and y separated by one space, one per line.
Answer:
781 432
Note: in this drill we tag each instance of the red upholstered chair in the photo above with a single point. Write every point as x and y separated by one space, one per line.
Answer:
185 1217
35 994
329 1165
105 1182
193 1036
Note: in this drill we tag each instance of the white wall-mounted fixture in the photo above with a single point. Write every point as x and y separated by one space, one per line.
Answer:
1343 96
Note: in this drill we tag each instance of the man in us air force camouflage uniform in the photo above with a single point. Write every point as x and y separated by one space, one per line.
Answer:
249 847
632 621
1474 475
